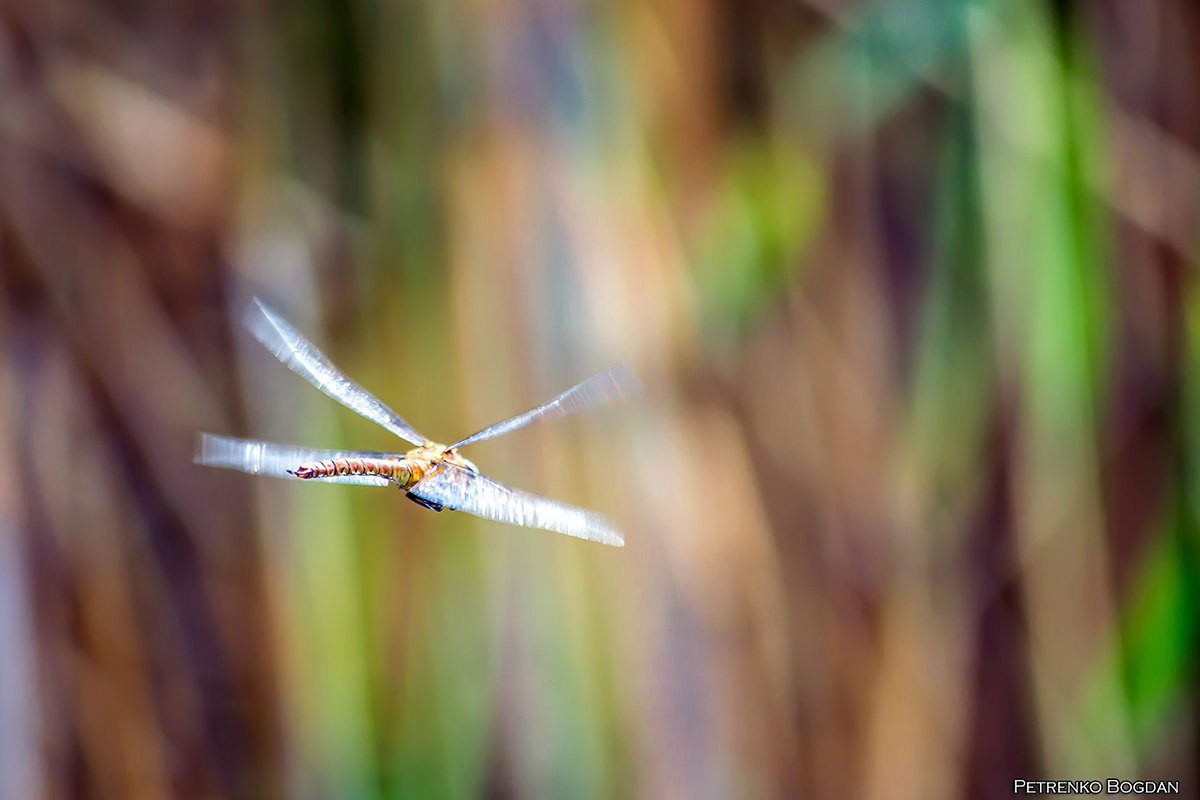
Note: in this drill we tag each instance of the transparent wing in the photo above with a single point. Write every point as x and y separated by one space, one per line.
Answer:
303 358
608 388
269 458
463 490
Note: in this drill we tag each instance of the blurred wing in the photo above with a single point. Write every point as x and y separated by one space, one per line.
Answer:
268 458
303 358
463 490
608 388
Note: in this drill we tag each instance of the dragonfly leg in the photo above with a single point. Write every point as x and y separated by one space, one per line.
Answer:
423 502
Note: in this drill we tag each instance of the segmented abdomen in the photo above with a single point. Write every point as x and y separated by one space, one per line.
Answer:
384 467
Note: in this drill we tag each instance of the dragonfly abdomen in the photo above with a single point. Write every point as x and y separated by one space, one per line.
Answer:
390 468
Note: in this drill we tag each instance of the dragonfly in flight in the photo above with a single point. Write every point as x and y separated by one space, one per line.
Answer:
432 475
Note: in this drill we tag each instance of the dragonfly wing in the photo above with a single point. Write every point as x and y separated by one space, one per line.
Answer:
608 388
269 458
458 488
303 358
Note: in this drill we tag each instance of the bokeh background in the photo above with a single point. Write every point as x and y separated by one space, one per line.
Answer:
912 497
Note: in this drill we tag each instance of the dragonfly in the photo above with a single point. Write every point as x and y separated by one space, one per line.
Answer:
432 475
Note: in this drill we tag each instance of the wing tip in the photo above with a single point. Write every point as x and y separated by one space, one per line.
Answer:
629 384
613 537
599 529
256 305
257 317
201 448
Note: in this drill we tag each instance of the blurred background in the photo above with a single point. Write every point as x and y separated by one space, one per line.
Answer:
911 500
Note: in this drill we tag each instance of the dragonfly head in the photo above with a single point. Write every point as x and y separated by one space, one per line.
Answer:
466 462
454 457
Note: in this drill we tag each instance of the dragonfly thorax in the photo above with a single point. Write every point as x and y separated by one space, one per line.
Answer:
428 458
